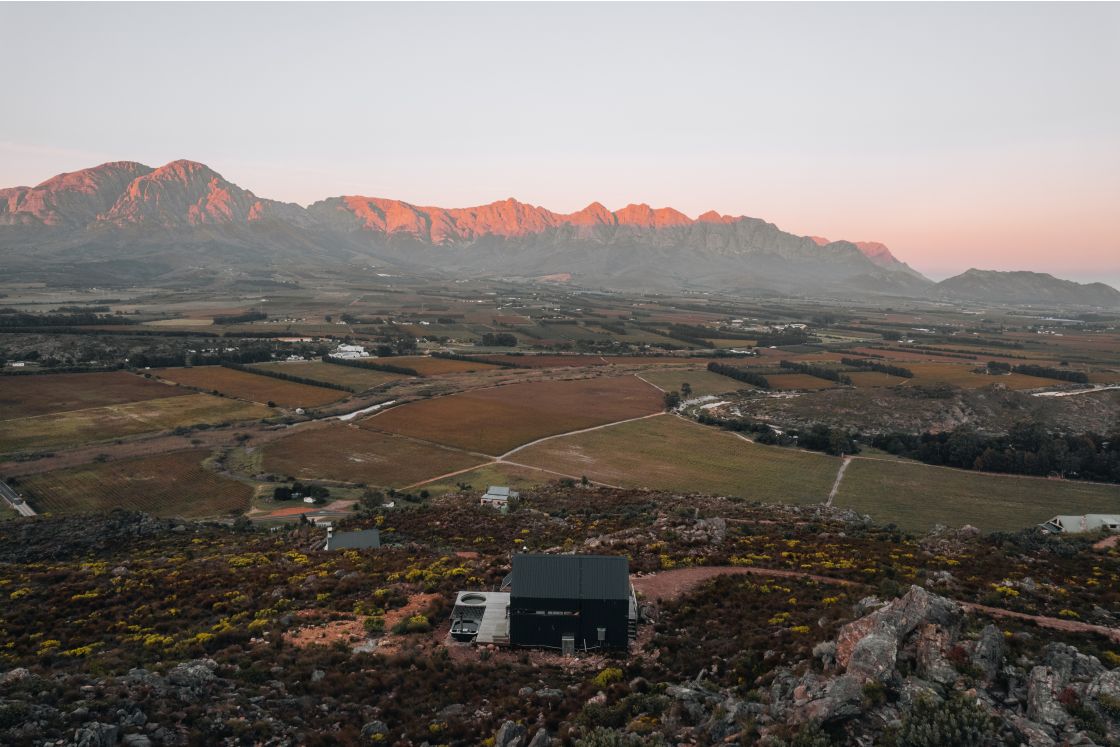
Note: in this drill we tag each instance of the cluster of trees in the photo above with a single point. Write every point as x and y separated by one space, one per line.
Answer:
366 363
248 316
998 368
1061 374
820 372
819 437
299 490
288 377
1027 449
11 318
498 340
872 365
784 337
739 374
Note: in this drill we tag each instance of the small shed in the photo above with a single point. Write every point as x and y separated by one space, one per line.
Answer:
1085 523
498 496
571 602
360 540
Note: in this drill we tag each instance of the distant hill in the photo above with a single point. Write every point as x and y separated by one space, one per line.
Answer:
128 222
1027 288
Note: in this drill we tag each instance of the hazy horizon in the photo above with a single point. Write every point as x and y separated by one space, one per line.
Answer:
959 135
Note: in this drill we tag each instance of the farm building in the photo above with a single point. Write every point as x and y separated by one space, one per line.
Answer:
498 496
349 352
360 540
565 602
1086 523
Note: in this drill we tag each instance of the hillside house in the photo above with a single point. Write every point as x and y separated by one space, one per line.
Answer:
565 602
1085 523
498 496
359 540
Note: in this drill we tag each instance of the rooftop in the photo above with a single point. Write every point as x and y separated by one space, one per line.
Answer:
571 576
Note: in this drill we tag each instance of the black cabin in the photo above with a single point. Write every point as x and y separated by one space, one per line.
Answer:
570 602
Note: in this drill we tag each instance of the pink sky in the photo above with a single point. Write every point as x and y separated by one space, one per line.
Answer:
958 134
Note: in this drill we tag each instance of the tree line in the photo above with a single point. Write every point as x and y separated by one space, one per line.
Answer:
288 377
1061 374
820 372
872 365
739 374
366 363
1027 449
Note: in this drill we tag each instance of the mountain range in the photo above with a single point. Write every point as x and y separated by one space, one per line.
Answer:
128 221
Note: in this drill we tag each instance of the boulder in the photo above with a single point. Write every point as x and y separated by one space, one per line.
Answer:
873 656
932 645
373 729
1042 697
1070 664
511 734
898 619
988 654
541 739
95 734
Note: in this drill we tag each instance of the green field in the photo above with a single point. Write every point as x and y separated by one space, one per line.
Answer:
702 381
668 453
115 421
173 484
356 378
518 478
917 496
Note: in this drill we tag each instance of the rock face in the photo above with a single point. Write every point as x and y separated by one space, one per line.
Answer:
911 651
116 208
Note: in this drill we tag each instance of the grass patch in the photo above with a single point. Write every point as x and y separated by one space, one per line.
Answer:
116 421
349 454
703 382
518 478
165 485
668 453
916 496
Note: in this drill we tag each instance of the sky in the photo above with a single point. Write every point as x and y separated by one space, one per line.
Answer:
960 134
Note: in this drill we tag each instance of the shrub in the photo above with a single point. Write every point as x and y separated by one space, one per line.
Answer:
607 676
957 721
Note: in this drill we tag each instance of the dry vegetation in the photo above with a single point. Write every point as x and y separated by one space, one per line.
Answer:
115 421
492 421
350 376
347 453
175 484
28 396
251 387
428 366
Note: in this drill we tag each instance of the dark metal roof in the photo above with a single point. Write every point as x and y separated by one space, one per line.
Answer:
354 540
571 577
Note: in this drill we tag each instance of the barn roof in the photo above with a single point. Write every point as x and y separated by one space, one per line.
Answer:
354 540
571 577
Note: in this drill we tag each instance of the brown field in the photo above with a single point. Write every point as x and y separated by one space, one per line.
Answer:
492 421
798 381
350 454
27 396
718 343
428 366
962 375
251 387
173 484
351 376
116 421
548 361
864 379
1104 377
